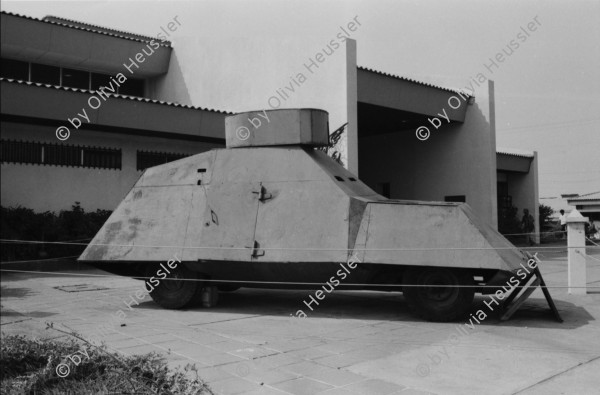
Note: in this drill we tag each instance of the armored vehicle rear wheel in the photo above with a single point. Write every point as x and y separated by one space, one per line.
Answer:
437 295
177 290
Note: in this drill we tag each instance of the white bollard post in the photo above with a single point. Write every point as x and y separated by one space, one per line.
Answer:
576 243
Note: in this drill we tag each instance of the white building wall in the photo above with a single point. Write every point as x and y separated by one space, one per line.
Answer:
276 73
53 188
457 159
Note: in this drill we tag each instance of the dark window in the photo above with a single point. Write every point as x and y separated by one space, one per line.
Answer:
45 74
504 199
102 158
20 152
15 69
502 188
456 198
76 78
59 154
504 202
99 80
132 87
62 155
383 188
146 159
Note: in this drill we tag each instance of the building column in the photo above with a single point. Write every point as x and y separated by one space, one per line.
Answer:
351 108
533 169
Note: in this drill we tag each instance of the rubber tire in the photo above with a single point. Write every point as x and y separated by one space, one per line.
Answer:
439 304
175 294
228 287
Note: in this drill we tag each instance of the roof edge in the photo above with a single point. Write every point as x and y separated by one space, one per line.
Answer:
115 95
399 77
93 29
586 197
515 152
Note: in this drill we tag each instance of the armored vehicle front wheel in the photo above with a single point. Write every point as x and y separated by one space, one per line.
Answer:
438 294
177 290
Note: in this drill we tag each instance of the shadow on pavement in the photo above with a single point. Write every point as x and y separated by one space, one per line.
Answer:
380 306
535 313
7 292
362 305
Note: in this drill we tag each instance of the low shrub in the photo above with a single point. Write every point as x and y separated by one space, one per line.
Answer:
31 367
19 223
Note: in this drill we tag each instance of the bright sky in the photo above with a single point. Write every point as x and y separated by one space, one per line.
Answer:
547 90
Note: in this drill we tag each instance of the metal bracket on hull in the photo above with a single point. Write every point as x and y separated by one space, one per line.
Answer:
263 195
508 310
256 251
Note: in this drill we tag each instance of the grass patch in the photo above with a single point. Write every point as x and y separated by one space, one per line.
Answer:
29 366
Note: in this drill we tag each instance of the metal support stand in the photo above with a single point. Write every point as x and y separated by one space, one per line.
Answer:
509 310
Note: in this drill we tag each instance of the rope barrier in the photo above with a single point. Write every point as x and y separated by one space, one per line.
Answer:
529 233
592 241
283 282
293 248
49 242
39 260
596 259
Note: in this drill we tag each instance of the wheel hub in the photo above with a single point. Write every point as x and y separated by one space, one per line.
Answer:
173 283
438 288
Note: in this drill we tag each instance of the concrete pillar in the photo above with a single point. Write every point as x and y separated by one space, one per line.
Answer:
534 190
576 243
351 108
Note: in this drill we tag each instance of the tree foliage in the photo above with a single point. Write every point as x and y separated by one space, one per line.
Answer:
545 213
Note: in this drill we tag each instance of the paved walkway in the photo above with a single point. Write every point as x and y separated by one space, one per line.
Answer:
353 343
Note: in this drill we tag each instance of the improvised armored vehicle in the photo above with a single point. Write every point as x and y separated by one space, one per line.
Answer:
272 211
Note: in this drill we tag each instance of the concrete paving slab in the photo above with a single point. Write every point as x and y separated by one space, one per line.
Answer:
233 386
266 391
445 369
212 374
355 356
304 368
579 379
339 346
337 391
259 374
356 342
227 345
374 387
197 336
336 377
209 357
275 361
302 386
310 353
252 352
145 349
